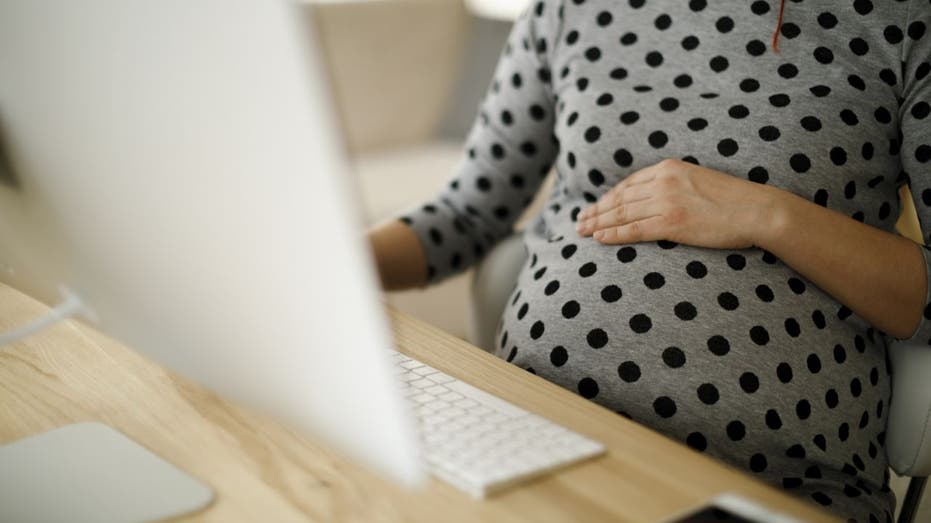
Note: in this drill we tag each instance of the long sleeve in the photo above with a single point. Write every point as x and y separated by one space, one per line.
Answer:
508 153
915 121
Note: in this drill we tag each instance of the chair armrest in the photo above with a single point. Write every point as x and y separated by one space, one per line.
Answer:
494 279
908 433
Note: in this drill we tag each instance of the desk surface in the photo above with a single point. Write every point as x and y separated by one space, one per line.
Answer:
262 471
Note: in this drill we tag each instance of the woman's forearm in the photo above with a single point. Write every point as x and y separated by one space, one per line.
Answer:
878 275
399 256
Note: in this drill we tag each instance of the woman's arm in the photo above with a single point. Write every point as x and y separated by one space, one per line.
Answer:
508 153
399 256
879 275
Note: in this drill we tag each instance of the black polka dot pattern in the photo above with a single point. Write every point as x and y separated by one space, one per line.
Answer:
731 352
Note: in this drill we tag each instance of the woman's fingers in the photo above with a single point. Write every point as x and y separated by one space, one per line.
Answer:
649 229
610 198
619 215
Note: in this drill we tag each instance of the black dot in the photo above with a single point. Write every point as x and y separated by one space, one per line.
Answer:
796 451
893 34
759 335
512 354
708 394
840 353
864 7
758 462
849 117
597 338
588 269
551 288
859 46
791 483
697 441
773 421
588 388
629 371
662 22
537 330
523 311
724 24
758 174
654 58
673 357
749 382
654 280
664 406
611 293
838 156
728 301
623 158
736 430
690 42
629 117
685 311
571 309
596 177
559 356
696 269
814 363
755 47
640 323
827 20
697 124
779 100
811 123
823 55
604 18
792 327
821 498
759 7
718 345
784 372
718 64
669 104
803 409
790 30
626 254
628 39
787 71
682 81
727 147
769 133
800 163
592 134
831 399
658 139
797 285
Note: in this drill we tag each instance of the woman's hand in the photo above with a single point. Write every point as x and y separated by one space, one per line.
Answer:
684 203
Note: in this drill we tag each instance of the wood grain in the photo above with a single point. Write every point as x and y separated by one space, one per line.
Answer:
262 471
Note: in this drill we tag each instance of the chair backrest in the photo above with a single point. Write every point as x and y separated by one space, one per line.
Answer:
908 433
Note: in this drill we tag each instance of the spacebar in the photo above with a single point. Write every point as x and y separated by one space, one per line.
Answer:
489 400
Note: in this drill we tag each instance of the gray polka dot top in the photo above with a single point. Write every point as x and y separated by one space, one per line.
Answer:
730 351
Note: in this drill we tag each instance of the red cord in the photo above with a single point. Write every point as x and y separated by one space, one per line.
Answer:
782 7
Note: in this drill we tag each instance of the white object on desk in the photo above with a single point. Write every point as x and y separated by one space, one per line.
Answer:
88 472
478 442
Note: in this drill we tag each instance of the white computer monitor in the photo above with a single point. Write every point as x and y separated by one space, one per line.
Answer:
174 164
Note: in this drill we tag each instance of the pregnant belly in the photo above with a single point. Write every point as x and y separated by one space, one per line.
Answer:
706 344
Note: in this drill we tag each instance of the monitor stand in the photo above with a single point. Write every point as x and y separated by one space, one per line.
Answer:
89 472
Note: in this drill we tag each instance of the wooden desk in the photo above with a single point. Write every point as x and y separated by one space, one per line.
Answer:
264 472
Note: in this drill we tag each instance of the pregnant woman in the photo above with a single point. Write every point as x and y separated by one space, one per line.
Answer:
717 260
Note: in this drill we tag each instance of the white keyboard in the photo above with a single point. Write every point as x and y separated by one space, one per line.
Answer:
480 443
